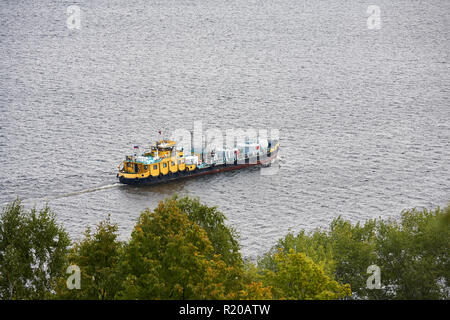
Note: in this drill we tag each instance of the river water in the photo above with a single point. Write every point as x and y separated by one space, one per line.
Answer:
363 114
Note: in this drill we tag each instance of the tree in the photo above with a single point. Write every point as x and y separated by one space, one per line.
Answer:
170 256
296 276
315 245
413 255
97 255
353 250
32 252
343 252
224 239
253 288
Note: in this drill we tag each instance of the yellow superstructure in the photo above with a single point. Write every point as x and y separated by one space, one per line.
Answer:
162 159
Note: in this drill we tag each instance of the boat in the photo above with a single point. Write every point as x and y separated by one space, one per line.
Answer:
164 162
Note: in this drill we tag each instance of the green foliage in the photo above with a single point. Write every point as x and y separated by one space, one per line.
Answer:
223 238
170 256
296 276
184 250
412 254
315 245
353 251
344 252
97 255
32 252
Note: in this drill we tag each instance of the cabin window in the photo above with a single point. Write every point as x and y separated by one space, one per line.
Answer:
165 164
145 167
173 163
155 167
128 164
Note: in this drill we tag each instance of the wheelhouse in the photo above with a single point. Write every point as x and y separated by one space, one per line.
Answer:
162 159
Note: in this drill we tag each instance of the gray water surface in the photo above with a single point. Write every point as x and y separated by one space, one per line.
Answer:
364 115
